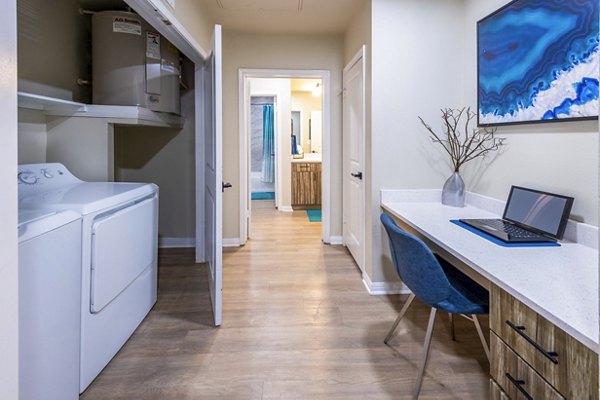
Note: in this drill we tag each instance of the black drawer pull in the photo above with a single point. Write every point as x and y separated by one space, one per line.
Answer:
551 355
519 384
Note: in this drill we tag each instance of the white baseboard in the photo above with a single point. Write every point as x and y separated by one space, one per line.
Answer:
174 242
336 240
383 288
231 242
285 209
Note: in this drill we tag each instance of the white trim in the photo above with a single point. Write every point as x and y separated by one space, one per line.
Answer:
286 209
9 269
384 288
244 126
155 13
176 242
336 240
232 242
247 73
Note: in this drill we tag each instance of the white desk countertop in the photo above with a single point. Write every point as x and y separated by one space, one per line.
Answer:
309 158
559 283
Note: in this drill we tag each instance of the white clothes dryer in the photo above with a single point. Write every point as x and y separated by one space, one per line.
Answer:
49 304
119 254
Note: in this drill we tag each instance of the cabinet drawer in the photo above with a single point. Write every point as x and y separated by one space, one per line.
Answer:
496 393
306 167
564 362
300 167
515 377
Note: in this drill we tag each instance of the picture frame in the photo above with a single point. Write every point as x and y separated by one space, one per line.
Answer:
538 61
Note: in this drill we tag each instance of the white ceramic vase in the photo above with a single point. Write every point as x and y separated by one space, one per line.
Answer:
453 192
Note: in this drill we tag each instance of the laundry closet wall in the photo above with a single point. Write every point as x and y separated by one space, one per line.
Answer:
54 34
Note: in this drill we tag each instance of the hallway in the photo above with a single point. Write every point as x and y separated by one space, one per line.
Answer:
297 324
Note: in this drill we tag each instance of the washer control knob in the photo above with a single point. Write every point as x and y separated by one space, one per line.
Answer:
47 174
27 178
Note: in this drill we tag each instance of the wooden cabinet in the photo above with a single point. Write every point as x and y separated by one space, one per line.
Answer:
496 393
540 358
306 184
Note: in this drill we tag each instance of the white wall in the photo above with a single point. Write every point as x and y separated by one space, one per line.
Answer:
247 50
9 297
417 68
558 157
416 72
280 88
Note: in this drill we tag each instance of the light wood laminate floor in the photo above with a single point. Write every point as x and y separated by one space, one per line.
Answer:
297 324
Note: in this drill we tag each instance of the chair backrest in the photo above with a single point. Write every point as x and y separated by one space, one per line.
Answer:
416 265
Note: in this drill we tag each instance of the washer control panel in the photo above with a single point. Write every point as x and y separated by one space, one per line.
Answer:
34 178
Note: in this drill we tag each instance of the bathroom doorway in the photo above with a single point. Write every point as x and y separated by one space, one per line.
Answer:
302 126
262 148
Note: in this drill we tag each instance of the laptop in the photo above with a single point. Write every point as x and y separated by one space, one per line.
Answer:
529 216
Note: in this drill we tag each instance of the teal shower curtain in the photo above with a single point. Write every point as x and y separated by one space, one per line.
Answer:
268 163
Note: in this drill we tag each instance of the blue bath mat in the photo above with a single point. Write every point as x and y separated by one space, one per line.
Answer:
262 195
314 215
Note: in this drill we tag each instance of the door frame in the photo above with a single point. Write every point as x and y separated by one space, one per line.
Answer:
244 75
277 132
360 56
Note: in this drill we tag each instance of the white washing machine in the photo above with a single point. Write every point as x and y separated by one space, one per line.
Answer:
119 254
49 304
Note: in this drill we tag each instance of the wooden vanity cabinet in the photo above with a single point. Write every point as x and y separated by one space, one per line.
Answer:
306 184
532 357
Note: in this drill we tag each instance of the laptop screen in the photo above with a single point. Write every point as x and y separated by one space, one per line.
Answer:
543 212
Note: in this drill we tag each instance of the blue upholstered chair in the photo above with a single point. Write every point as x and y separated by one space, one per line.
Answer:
434 282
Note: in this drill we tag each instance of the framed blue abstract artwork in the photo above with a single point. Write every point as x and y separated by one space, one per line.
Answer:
538 61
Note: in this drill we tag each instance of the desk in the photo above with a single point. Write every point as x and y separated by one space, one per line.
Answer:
558 283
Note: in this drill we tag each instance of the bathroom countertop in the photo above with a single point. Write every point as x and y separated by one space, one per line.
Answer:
309 158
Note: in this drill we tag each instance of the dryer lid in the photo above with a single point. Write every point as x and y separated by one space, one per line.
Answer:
89 197
33 223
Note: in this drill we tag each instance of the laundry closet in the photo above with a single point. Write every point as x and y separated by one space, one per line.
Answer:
104 93
104 98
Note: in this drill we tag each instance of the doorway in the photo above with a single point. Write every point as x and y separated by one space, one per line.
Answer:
302 136
262 148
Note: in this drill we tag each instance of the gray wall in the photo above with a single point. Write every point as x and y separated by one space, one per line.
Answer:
165 157
251 50
53 49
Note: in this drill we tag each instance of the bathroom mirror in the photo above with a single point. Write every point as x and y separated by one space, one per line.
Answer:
296 131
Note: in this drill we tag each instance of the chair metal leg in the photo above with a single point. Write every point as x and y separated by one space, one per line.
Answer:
425 355
452 326
486 348
400 316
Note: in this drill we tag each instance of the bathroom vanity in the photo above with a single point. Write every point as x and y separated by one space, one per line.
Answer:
306 181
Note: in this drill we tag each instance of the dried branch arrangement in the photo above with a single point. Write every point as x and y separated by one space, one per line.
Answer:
468 144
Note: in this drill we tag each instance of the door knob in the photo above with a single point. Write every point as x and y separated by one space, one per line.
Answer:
226 185
357 175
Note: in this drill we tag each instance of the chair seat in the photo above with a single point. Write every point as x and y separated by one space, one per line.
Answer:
469 297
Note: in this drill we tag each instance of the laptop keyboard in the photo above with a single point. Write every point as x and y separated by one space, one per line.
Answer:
510 229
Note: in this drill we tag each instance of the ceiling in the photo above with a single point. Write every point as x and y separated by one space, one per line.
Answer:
268 16
284 16
303 85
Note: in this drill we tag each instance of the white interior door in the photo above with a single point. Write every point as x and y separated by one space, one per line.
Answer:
354 143
213 172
